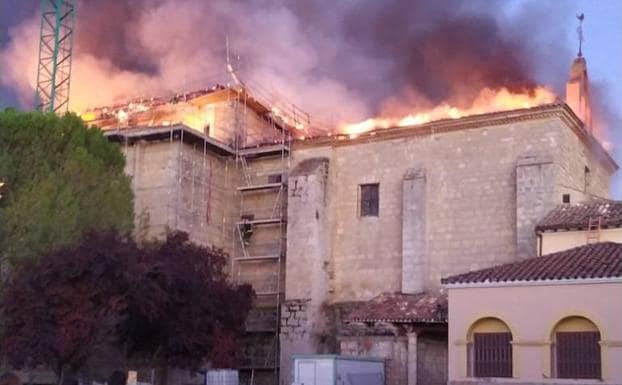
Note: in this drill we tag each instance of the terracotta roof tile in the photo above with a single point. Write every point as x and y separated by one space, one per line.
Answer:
402 308
598 260
577 215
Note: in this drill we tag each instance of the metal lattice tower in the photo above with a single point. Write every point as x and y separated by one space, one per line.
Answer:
55 46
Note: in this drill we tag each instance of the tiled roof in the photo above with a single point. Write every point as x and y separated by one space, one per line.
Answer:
402 308
577 215
598 260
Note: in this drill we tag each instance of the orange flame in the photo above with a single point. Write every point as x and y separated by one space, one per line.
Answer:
487 101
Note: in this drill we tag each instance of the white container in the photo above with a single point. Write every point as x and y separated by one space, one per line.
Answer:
321 369
222 377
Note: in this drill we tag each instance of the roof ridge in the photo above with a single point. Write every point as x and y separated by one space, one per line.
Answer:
591 260
576 216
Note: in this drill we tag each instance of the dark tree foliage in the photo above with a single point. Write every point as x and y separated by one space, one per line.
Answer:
57 309
190 310
61 178
169 303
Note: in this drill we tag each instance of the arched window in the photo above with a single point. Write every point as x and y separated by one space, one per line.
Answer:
575 349
489 349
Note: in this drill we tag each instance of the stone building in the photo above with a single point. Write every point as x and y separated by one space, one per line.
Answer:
346 239
221 181
446 197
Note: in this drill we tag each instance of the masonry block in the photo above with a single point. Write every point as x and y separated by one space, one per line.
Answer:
413 231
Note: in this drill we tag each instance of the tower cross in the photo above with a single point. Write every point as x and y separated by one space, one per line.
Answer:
580 17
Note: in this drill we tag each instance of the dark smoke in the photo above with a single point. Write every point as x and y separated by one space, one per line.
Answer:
447 50
106 30
441 50
341 60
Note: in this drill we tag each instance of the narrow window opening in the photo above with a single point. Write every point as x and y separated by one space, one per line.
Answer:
369 205
587 178
275 178
566 198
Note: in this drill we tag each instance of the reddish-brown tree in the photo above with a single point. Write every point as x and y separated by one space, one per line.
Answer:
169 302
192 312
57 309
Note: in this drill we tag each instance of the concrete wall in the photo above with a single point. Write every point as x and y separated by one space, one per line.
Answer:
563 240
531 313
481 200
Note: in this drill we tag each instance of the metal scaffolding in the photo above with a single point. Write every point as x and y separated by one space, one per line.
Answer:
245 173
263 159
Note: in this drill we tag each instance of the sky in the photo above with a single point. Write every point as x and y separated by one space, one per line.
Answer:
306 62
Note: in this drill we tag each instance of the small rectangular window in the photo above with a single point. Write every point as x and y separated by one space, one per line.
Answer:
369 194
275 178
566 198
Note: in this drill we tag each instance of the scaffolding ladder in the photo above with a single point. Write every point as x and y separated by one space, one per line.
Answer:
594 227
259 243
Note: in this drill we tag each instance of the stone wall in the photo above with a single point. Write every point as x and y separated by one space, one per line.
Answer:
393 349
431 360
535 197
152 169
204 208
471 211
230 117
414 256
303 325
574 157
178 186
294 317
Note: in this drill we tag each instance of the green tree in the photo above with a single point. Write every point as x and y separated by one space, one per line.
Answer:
61 178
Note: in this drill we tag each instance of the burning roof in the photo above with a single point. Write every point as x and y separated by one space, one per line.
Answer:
218 112
488 100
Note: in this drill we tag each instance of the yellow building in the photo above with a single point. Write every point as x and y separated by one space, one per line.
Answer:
575 224
545 320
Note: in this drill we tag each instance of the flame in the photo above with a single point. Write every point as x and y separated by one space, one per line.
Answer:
487 101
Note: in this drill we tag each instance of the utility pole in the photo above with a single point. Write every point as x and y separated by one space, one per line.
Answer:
55 53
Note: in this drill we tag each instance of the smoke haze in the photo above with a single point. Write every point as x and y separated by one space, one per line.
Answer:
340 60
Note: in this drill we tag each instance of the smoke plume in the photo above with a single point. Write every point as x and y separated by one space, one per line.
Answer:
339 60
342 61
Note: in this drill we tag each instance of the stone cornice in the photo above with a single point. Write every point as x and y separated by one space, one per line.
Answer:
554 110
